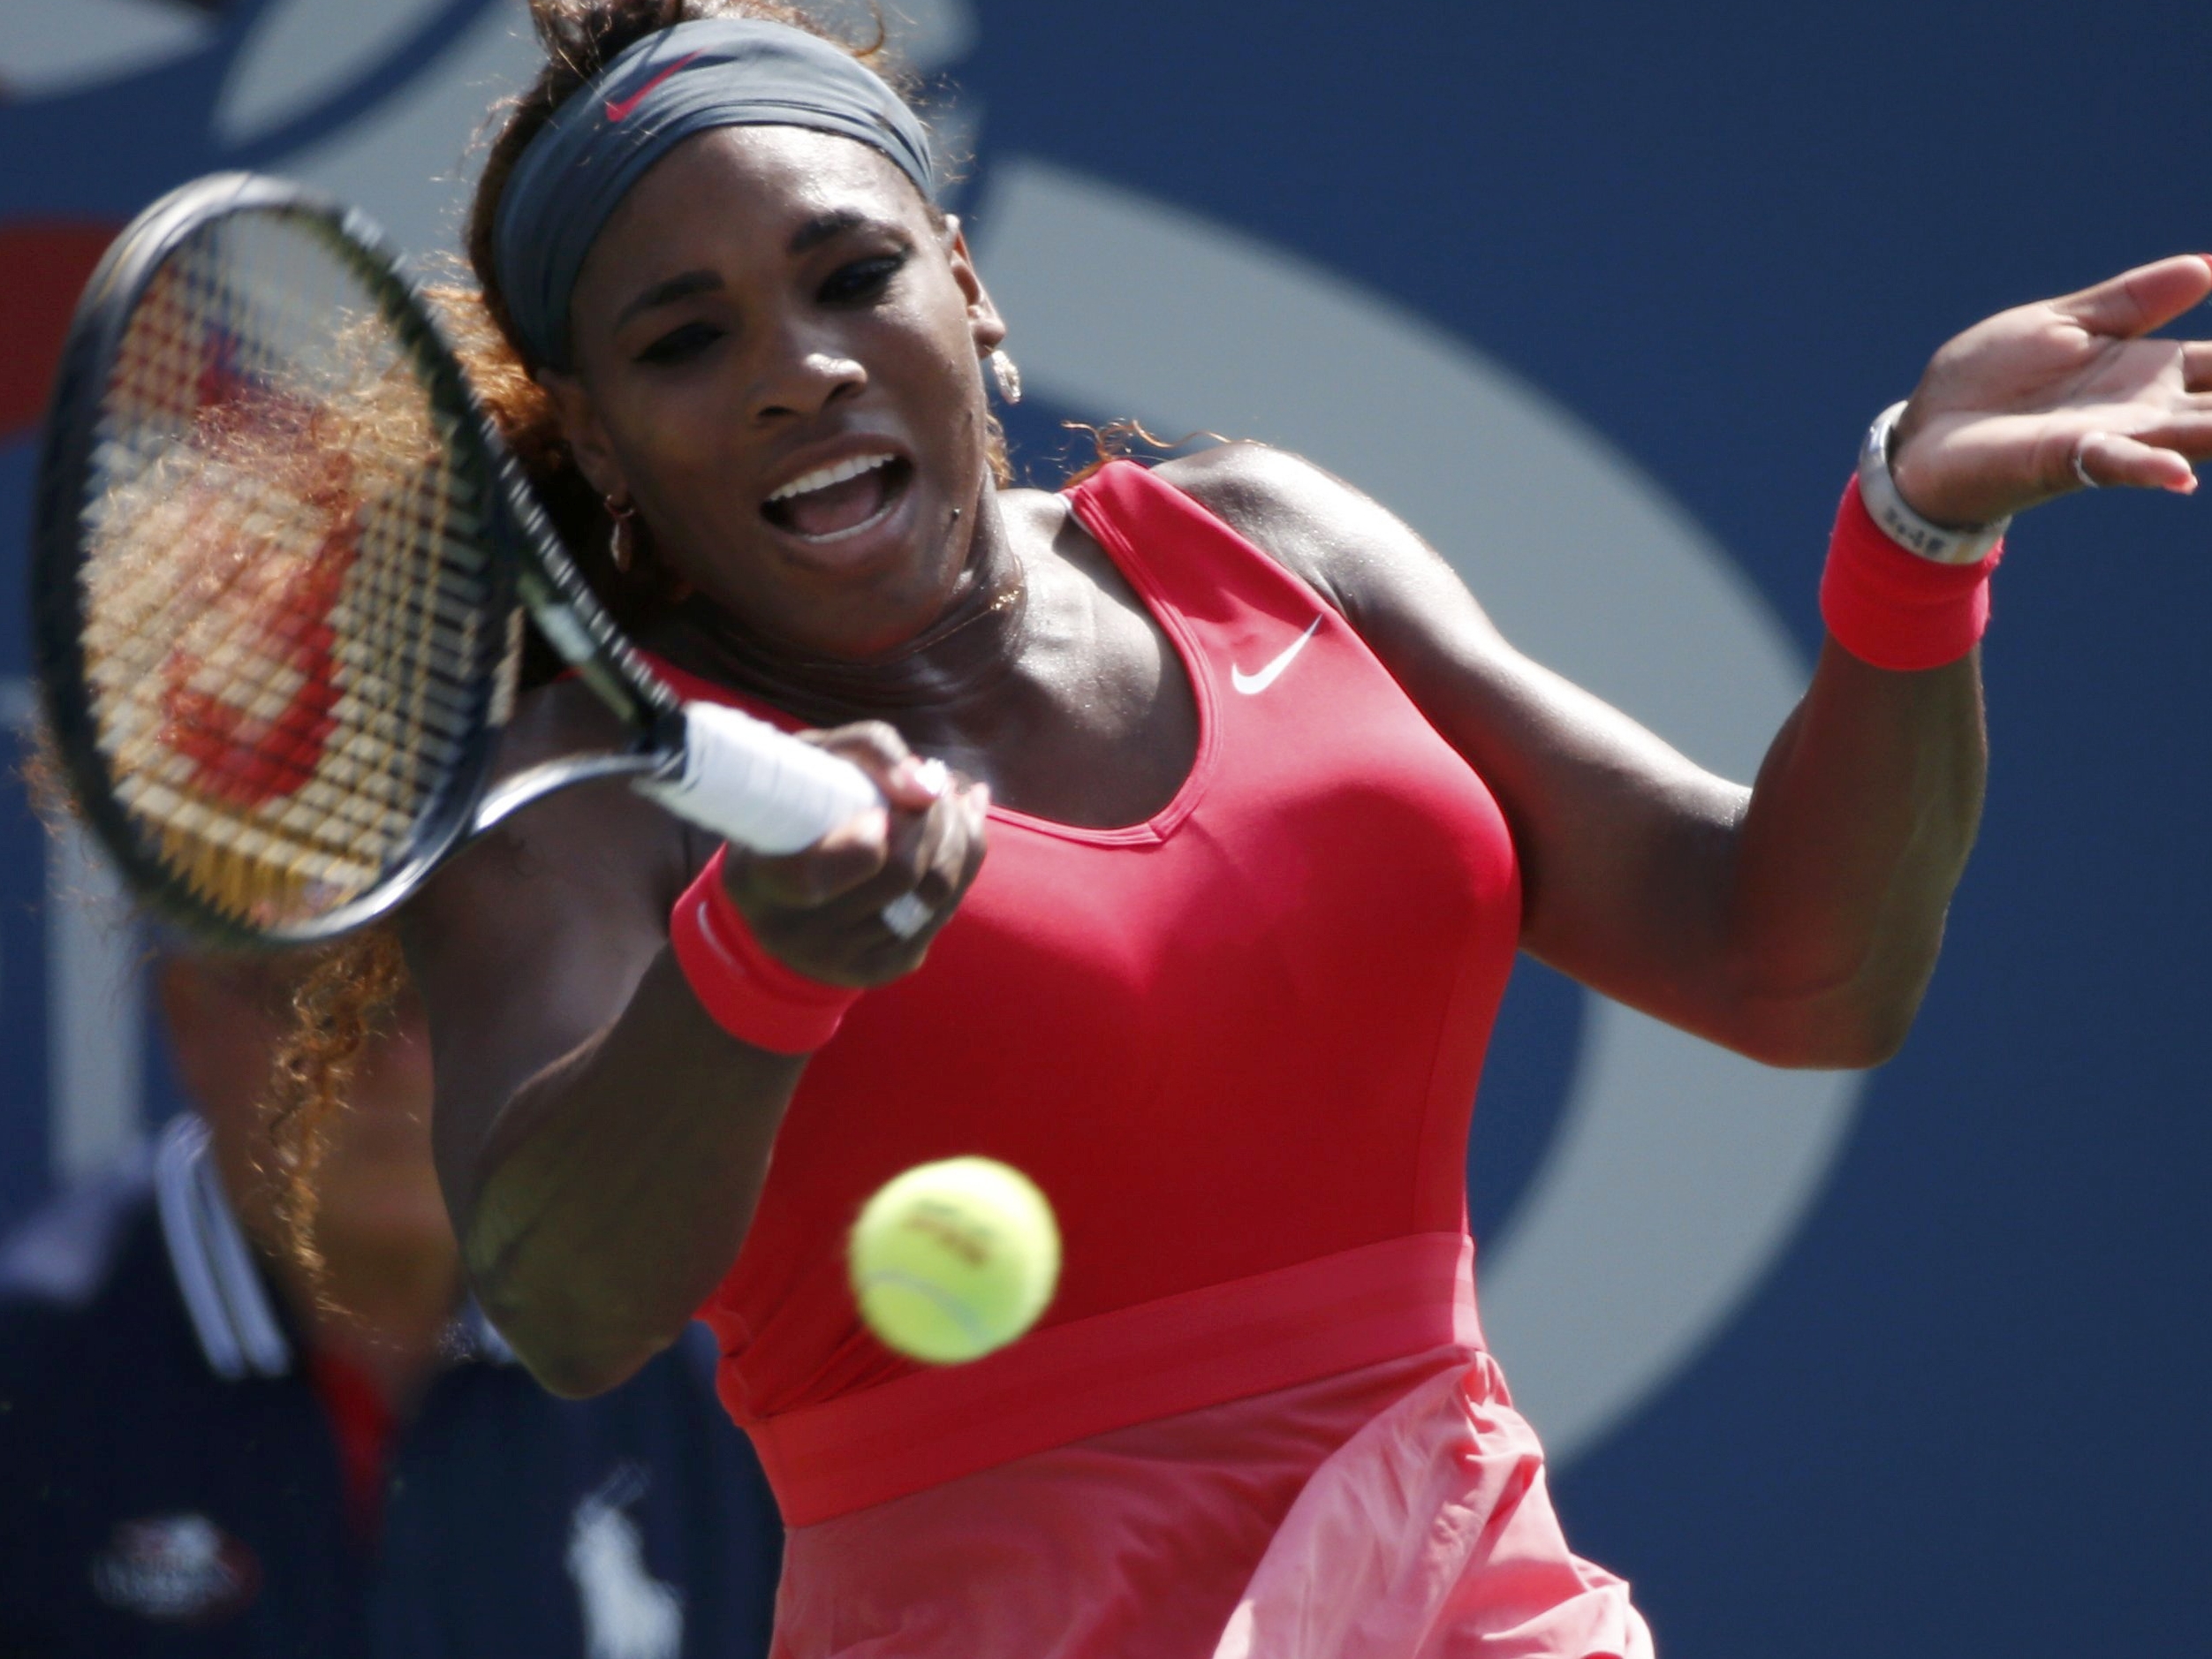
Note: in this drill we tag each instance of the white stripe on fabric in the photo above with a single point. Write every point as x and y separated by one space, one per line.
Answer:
174 1166
222 1289
239 1278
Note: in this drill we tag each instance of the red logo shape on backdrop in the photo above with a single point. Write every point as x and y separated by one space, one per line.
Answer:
47 262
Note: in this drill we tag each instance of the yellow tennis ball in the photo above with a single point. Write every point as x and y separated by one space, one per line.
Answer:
952 1260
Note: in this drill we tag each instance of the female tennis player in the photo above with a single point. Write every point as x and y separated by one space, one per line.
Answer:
1268 806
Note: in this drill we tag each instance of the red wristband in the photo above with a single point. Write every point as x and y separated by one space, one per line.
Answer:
744 990
1893 608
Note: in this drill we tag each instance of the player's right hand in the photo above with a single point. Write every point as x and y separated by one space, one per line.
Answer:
820 911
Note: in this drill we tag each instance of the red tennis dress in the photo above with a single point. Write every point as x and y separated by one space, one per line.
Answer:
1237 1044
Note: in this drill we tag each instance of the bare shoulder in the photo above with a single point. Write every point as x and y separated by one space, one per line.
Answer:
1282 504
532 939
1347 545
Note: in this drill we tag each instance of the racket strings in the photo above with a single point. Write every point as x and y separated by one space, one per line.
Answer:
286 600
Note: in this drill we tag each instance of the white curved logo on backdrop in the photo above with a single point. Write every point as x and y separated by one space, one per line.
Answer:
51 47
1678 1172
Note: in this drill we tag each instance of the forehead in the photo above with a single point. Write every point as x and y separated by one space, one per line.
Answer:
742 185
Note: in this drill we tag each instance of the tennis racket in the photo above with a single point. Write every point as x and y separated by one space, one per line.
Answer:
280 568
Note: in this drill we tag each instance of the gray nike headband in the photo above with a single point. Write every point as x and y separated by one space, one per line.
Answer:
688 79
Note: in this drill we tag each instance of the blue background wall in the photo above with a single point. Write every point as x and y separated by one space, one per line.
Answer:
1960 1411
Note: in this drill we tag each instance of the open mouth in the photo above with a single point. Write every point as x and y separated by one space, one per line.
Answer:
840 499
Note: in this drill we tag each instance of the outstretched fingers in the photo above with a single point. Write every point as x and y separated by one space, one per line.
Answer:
2136 301
2111 459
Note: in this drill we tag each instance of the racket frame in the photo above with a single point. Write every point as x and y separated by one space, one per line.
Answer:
525 562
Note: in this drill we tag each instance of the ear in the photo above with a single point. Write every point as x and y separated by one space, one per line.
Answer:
586 434
984 323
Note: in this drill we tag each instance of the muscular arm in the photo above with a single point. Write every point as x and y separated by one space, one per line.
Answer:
602 1142
1796 921
599 1140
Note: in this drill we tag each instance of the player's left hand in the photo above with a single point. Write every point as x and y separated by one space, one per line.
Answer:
2004 410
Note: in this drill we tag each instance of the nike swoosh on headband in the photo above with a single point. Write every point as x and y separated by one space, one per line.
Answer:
1253 684
622 110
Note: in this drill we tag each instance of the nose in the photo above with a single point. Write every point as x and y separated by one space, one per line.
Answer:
803 373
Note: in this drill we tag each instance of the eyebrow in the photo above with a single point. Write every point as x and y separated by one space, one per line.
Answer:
824 226
820 229
682 286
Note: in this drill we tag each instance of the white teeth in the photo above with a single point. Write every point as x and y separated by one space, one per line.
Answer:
836 473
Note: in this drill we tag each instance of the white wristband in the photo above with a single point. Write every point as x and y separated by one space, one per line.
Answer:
1915 534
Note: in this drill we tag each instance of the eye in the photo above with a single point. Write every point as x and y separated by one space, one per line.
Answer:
679 345
862 280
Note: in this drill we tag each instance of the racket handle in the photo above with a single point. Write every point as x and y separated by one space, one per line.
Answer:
749 783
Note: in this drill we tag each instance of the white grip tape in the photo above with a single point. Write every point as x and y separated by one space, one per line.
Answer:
749 783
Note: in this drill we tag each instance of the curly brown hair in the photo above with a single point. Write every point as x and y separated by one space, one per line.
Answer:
349 987
343 995
340 995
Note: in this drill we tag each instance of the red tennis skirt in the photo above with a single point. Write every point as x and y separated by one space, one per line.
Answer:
1396 1511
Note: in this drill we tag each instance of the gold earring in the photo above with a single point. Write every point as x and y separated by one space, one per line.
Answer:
621 542
1007 374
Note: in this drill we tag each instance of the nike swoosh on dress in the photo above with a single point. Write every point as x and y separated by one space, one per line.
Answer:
1253 684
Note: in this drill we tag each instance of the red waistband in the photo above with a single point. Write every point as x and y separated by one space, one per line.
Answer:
1068 1382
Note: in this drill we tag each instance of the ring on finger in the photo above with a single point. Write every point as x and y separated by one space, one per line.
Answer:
906 915
2082 464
